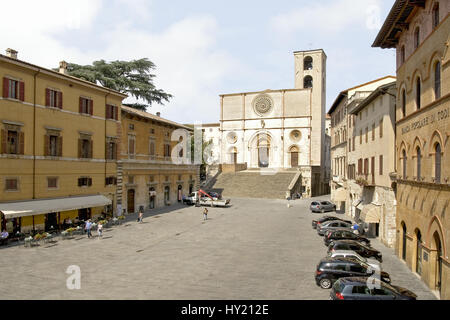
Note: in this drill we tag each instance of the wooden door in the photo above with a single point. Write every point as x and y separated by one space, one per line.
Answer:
294 159
130 201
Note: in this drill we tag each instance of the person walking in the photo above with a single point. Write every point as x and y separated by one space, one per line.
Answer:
205 214
355 228
141 216
100 230
88 227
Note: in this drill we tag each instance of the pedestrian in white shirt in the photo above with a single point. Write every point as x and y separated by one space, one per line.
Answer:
100 230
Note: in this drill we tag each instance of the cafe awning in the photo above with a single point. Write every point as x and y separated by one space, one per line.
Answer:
371 213
340 195
36 207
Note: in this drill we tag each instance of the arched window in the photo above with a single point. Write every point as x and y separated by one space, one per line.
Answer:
404 239
308 63
308 82
404 102
437 163
418 93
419 252
404 163
416 38
435 15
419 160
437 80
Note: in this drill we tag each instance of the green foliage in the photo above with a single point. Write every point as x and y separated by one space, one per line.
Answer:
131 77
194 148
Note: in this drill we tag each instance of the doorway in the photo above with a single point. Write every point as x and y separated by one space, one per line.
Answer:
84 214
404 241
263 145
294 157
180 193
51 221
152 198
438 270
167 195
130 200
419 253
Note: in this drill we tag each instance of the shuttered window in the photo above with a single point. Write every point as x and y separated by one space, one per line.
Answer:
381 165
86 106
53 98
112 112
109 181
12 142
381 128
84 182
13 89
85 148
111 150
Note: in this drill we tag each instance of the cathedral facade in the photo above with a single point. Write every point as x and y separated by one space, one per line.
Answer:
280 130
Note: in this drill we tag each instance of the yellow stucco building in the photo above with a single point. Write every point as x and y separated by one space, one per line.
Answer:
149 176
419 30
58 146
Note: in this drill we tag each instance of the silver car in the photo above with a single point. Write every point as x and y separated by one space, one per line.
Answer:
352 254
322 206
333 225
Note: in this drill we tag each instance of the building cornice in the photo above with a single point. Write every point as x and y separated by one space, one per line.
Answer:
423 109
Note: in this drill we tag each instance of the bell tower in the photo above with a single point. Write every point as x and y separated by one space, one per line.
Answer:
310 74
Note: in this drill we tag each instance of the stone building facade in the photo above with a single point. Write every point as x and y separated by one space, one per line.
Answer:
342 135
56 131
154 170
371 161
419 31
277 130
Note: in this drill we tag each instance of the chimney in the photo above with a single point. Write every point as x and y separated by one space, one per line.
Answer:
63 67
11 53
158 114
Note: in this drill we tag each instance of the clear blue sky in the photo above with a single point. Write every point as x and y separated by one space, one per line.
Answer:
205 48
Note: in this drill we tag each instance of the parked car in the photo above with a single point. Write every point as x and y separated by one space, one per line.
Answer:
356 288
343 234
331 225
331 269
325 219
375 264
322 206
358 247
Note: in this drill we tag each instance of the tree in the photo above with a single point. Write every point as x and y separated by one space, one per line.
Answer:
131 77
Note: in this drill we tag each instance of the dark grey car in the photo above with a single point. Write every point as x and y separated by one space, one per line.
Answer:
357 288
333 225
322 206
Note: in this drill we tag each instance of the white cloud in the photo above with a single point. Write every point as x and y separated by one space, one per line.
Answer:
31 25
188 65
327 17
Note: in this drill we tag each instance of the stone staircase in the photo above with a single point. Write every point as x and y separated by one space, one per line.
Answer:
253 184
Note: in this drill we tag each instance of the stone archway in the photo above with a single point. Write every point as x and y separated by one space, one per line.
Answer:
233 155
436 264
294 152
152 198
261 147
403 241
